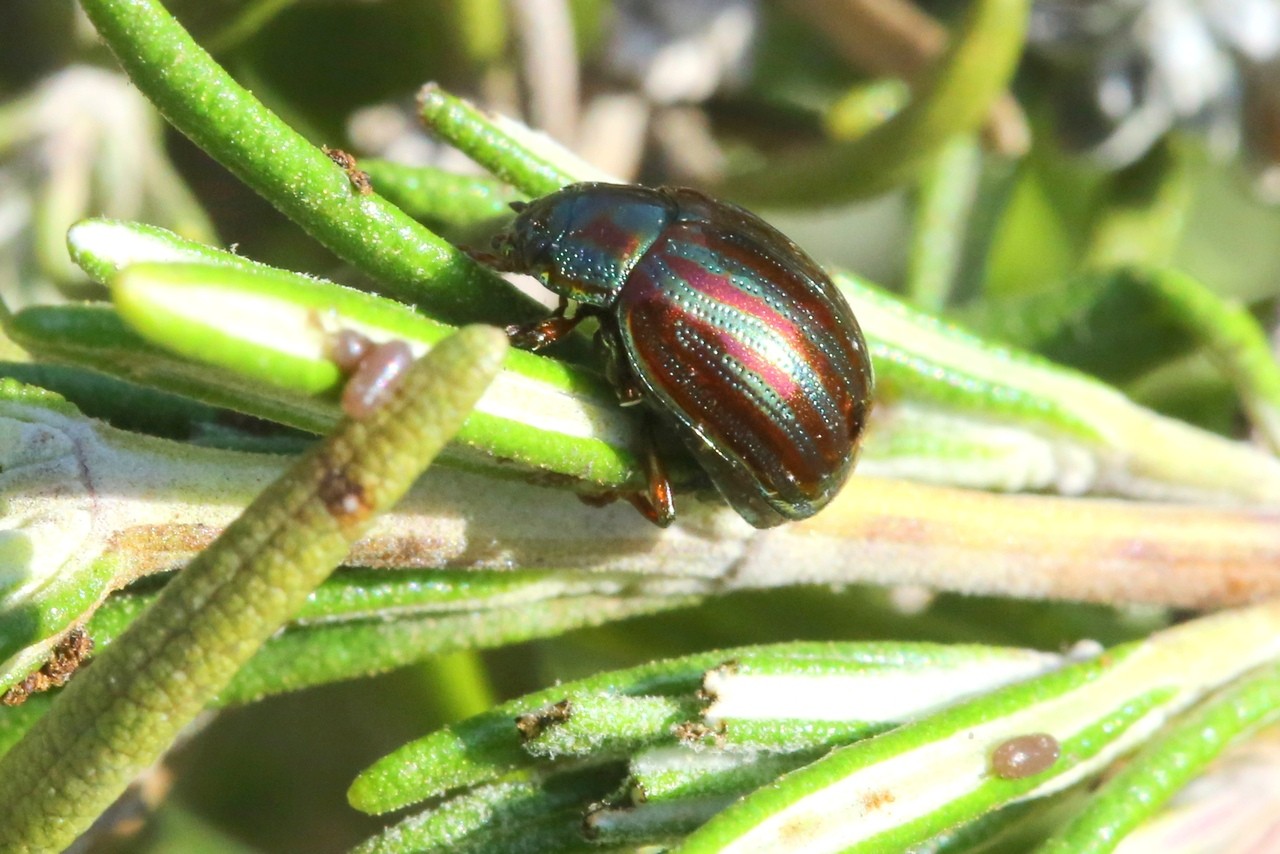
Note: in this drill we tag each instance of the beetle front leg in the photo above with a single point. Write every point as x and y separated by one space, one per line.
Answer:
540 333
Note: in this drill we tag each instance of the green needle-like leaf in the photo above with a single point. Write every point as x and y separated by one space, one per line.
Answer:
202 101
122 713
897 790
511 151
1170 762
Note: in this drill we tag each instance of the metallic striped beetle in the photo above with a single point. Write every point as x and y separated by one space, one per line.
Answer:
731 333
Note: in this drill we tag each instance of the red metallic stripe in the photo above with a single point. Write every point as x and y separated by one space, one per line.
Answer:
605 236
806 294
721 291
678 354
820 330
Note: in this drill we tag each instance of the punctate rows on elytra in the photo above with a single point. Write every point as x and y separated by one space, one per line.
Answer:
731 334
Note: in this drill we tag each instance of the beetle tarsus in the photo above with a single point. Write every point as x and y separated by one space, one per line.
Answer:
540 333
483 256
655 503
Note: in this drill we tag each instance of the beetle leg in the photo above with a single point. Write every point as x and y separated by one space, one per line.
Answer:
617 368
540 333
655 502
489 259
629 391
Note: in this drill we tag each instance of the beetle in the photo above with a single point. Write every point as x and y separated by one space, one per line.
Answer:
731 334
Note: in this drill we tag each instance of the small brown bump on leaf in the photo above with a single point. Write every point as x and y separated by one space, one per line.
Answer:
347 162
373 370
376 376
18 694
1025 756
873 801
696 733
347 348
68 655
343 497
532 724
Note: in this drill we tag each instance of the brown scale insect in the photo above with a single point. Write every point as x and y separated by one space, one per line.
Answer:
1025 755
